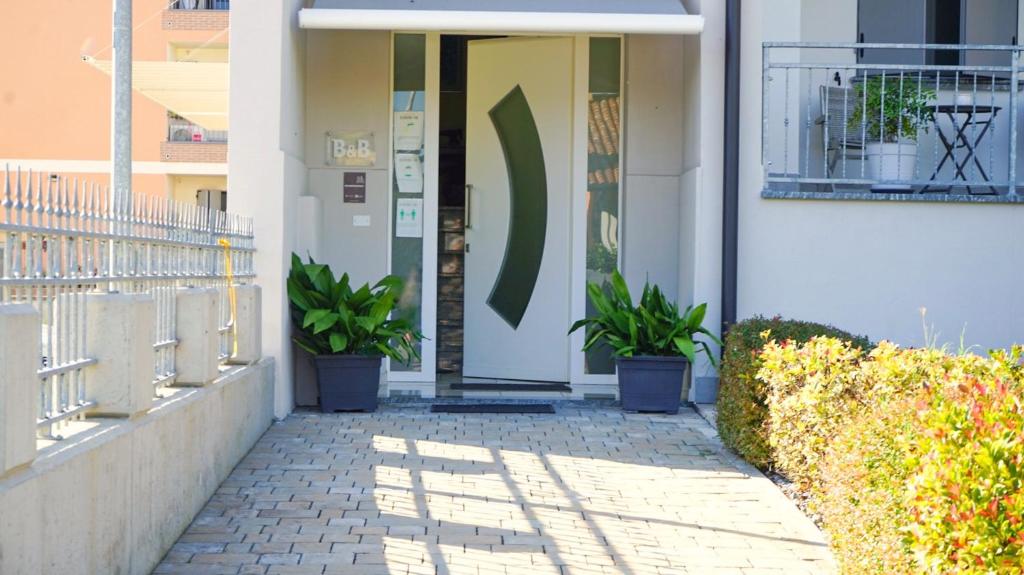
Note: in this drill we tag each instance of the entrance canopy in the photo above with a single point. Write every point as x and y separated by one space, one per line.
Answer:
504 16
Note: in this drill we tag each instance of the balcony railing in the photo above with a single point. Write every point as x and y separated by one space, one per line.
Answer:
201 5
834 120
179 130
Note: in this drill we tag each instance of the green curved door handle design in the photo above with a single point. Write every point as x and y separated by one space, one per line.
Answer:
528 215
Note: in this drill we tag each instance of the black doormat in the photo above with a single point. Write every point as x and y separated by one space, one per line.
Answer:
555 387
492 408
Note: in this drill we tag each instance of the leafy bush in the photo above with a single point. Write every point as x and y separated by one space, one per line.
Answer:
865 469
654 327
864 477
812 389
332 319
914 458
815 389
742 398
967 496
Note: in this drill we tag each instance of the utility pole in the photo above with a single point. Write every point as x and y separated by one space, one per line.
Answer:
121 109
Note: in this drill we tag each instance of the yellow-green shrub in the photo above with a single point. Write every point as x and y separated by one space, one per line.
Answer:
966 499
864 478
811 390
914 458
865 469
742 398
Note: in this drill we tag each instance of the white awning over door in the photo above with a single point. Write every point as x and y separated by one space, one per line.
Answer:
504 16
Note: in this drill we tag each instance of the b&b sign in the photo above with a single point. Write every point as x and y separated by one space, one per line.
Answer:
351 148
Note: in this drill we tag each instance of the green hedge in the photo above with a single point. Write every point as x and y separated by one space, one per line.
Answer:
742 399
913 457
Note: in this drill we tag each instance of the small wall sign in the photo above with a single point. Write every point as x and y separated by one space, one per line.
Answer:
351 148
409 218
353 188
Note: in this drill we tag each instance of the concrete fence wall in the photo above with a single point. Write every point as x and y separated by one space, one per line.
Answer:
115 490
114 497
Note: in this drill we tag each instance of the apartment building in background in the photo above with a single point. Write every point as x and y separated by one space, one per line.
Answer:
55 93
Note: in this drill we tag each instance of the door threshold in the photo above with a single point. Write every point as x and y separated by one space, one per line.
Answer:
541 387
453 385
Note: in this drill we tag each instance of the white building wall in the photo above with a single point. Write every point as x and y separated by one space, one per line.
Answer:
318 81
868 267
266 170
704 97
348 88
653 161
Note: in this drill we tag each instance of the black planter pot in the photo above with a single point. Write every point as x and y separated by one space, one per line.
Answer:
347 382
651 383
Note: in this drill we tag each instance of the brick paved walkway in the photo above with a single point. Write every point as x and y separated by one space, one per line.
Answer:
590 490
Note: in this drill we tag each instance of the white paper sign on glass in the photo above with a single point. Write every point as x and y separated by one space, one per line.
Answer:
409 173
408 130
409 218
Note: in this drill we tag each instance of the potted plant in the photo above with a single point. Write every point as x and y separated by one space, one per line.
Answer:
348 332
653 343
890 112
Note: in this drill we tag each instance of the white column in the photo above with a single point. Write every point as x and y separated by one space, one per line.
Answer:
19 385
249 321
122 330
196 358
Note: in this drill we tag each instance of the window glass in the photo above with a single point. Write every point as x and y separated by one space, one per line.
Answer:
407 181
603 176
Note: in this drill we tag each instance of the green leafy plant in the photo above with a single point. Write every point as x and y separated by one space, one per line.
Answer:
653 327
890 109
742 398
966 498
601 259
331 318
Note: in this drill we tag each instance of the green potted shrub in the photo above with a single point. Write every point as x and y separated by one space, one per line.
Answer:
890 112
348 332
653 343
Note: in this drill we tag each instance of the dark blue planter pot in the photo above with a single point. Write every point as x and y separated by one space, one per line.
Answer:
651 383
347 382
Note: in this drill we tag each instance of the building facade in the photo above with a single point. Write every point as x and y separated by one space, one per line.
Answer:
55 93
498 160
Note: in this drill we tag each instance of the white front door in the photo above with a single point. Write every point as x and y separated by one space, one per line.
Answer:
518 175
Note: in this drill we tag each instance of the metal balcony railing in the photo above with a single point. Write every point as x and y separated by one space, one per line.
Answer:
180 130
61 239
838 117
201 5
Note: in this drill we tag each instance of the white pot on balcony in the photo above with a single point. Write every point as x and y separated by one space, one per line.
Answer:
890 163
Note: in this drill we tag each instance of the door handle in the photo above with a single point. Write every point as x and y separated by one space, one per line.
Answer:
468 209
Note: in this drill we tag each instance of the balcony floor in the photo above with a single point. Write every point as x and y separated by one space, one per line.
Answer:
587 490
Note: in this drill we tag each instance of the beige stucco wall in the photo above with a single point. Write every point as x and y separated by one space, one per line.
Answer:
868 266
183 188
347 88
114 497
653 162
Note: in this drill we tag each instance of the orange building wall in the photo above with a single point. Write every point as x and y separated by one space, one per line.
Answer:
55 106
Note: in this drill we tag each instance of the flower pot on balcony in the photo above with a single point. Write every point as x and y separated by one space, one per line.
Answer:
889 164
348 382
